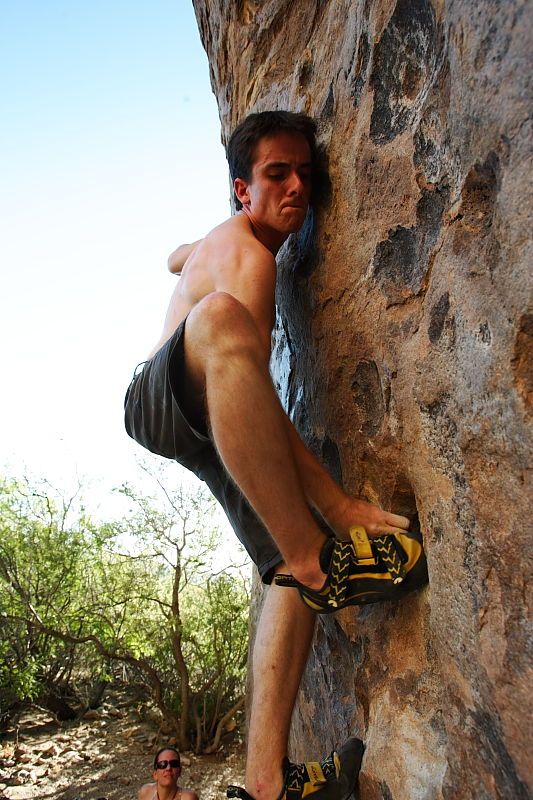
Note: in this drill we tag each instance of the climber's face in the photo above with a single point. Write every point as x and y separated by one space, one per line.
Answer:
276 197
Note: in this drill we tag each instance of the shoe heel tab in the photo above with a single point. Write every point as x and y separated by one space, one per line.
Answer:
285 580
237 791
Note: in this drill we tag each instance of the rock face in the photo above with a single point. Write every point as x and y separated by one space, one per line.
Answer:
402 355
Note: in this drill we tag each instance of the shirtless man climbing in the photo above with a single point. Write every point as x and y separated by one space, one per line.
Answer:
206 399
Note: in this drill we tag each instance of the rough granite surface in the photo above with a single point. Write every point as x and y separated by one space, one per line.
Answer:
403 354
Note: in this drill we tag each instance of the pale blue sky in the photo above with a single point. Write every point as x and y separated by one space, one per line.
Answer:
110 157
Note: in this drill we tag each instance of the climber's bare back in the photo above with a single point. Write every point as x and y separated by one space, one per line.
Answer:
215 264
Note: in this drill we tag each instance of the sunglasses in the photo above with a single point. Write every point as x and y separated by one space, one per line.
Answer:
174 763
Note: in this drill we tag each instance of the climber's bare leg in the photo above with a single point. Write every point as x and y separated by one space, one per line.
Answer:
282 643
227 362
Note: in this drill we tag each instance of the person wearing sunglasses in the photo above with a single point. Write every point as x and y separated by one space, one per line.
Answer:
167 770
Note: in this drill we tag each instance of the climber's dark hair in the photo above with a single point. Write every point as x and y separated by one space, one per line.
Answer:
162 750
241 146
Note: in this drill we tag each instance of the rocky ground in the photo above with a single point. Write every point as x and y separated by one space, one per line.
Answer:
106 754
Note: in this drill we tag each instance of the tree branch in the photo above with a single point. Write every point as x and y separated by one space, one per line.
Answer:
213 747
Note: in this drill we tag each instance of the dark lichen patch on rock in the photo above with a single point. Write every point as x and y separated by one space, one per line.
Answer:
367 395
395 261
438 315
484 334
429 210
522 361
401 261
305 73
357 74
497 757
329 104
385 791
478 197
403 59
331 458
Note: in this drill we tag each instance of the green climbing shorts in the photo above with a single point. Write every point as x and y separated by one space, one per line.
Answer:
154 417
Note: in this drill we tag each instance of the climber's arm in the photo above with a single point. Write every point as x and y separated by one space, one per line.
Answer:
179 256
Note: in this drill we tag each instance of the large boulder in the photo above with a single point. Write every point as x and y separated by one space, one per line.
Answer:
403 355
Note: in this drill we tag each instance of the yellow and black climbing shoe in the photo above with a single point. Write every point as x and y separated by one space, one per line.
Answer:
365 570
335 778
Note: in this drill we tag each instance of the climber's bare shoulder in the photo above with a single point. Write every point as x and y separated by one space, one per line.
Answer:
229 259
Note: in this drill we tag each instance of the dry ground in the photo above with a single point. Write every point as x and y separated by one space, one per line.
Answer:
107 755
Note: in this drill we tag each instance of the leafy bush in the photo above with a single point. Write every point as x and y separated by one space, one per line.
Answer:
148 592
